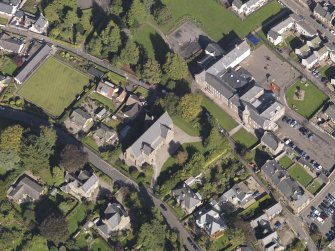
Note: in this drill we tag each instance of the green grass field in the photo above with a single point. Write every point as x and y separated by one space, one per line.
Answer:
298 173
103 100
185 126
152 42
285 162
7 66
245 138
314 187
215 19
76 217
54 86
226 121
313 99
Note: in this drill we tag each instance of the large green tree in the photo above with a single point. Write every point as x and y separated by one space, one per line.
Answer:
137 13
152 71
73 158
151 236
190 106
175 67
130 54
54 228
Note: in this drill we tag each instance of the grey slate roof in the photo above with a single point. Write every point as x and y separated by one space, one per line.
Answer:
79 116
153 136
220 86
26 186
6 8
33 63
320 10
237 3
270 140
41 22
330 112
211 221
82 179
330 46
186 196
272 34
104 132
10 44
95 72
215 49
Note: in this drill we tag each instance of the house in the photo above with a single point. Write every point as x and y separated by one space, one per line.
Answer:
243 194
288 188
28 69
305 29
115 218
324 14
314 43
247 7
310 61
303 51
272 143
271 242
322 53
9 8
274 37
104 135
210 220
274 210
25 190
111 91
80 184
40 26
186 198
213 51
95 72
132 107
9 44
330 112
147 147
82 119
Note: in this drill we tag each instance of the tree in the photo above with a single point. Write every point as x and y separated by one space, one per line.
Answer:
152 71
235 236
111 37
163 15
130 53
175 67
137 13
116 7
54 228
73 158
151 236
85 20
58 175
148 4
10 138
194 165
181 157
170 103
190 106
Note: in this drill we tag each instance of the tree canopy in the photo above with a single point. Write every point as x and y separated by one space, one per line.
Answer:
190 106
175 66
54 228
137 13
152 71
73 158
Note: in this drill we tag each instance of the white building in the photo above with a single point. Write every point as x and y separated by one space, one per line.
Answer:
248 7
310 62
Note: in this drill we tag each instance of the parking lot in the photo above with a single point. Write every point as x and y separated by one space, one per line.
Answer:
328 223
266 67
319 148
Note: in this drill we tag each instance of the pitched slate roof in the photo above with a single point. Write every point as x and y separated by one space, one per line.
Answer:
26 186
220 86
211 221
330 112
6 8
95 72
10 44
215 49
270 140
153 136
41 23
186 196
273 34
80 117
83 179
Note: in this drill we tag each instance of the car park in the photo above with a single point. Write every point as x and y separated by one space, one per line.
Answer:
311 136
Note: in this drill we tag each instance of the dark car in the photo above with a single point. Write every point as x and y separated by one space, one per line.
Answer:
304 130
163 206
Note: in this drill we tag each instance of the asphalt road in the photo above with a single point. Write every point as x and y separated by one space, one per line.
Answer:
34 121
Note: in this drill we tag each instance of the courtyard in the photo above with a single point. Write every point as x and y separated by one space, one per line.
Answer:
53 86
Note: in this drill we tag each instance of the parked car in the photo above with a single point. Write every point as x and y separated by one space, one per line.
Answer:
163 206
293 123
311 136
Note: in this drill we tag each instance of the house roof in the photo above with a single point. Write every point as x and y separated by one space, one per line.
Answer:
252 93
153 136
95 72
33 63
190 48
320 10
26 186
272 110
283 25
319 53
270 140
237 3
330 112
211 221
10 44
82 179
330 46
6 8
271 211
219 85
186 196
41 23
311 59
215 49
80 117
270 239
307 28
105 133
273 34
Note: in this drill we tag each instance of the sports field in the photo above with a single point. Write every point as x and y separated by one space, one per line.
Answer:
53 86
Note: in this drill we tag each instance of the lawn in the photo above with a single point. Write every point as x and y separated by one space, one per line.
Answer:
313 99
54 86
286 162
103 100
245 138
29 6
226 121
152 42
298 173
215 19
76 217
7 66
185 126
314 187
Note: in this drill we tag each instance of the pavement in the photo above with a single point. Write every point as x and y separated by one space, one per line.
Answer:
34 121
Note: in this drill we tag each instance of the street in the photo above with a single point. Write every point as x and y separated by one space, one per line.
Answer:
33 121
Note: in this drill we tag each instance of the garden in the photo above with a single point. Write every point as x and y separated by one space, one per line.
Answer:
245 138
305 98
285 162
54 86
298 173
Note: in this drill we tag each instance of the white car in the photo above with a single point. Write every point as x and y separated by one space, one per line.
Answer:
320 220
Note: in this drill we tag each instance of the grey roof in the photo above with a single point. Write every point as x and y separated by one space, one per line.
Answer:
26 187
12 2
41 22
186 196
215 49
273 210
224 89
19 14
33 63
82 179
79 116
104 132
252 93
189 49
6 8
10 44
153 136
211 221
237 3
273 34
236 79
308 28
330 46
330 112
95 72
320 10
132 109
270 140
